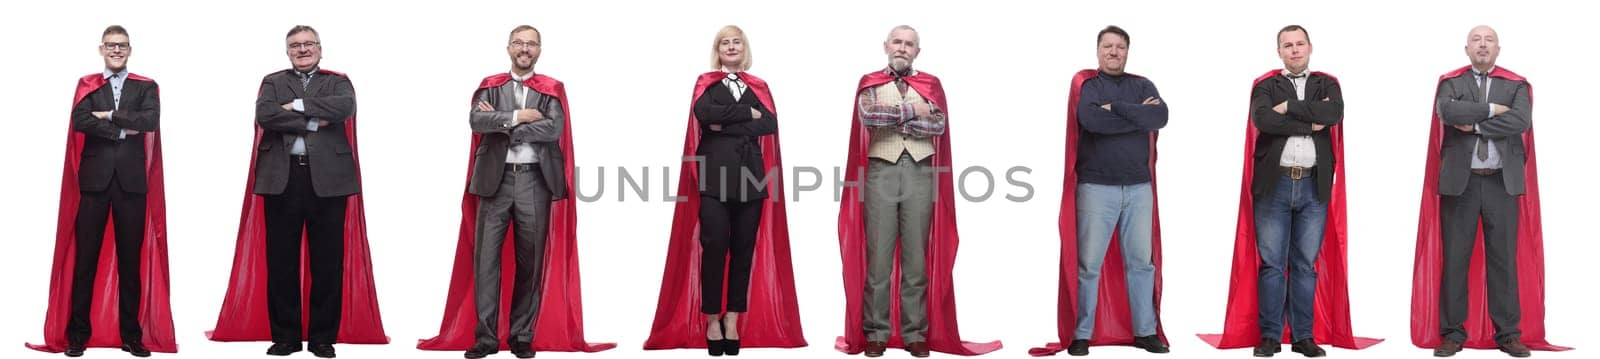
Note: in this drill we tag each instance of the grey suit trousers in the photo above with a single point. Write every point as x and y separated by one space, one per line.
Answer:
899 205
523 200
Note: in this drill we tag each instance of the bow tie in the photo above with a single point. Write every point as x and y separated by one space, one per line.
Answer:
1296 77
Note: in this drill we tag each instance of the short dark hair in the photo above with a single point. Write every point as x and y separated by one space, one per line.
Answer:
1113 29
114 30
302 28
521 28
1294 28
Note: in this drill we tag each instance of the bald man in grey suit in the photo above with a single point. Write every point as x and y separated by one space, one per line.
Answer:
1480 177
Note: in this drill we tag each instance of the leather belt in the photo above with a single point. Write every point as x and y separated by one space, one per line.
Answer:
521 167
1486 171
1296 172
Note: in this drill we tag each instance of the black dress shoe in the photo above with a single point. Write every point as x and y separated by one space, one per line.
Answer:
1150 343
1447 348
1078 348
730 346
137 349
282 349
75 350
1308 347
1515 349
479 351
322 350
521 350
1267 347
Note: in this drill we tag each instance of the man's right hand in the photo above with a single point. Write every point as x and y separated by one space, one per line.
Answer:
529 115
921 109
1498 108
1317 127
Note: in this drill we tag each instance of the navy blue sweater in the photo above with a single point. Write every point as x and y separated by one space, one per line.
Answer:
1114 145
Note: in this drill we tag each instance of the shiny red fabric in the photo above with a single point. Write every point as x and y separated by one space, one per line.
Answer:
1430 257
155 309
1113 323
943 334
1332 308
244 309
559 326
773 319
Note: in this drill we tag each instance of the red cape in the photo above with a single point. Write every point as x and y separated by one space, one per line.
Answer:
1332 308
943 334
155 311
1430 260
1113 323
244 310
773 319
559 326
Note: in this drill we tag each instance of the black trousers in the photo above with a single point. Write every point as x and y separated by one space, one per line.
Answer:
1485 198
727 236
127 210
289 215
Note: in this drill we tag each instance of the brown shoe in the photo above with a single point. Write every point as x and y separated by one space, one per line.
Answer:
1446 348
918 349
1515 349
875 349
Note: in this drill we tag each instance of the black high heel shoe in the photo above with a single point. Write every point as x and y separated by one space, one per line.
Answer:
730 346
715 347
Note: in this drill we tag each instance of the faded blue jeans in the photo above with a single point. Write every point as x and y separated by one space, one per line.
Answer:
1129 210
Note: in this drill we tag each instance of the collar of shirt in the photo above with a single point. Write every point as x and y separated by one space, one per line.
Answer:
522 78
306 75
118 75
1476 73
890 71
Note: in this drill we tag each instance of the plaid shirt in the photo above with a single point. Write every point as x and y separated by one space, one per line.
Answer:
887 112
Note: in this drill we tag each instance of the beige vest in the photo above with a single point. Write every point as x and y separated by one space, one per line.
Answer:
888 143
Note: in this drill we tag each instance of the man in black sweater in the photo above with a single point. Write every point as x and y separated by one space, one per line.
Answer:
1118 114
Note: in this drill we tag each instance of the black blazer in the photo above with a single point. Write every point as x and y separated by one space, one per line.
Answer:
104 155
735 148
1324 105
328 97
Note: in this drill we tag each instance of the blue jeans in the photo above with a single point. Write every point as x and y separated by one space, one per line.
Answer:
1289 225
1129 210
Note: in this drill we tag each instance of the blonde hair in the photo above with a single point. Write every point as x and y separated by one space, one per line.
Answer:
716 44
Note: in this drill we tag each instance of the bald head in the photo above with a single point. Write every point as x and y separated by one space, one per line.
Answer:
1483 47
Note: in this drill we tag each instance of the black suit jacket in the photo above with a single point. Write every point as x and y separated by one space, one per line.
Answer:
1458 104
104 155
1324 105
489 159
733 148
329 97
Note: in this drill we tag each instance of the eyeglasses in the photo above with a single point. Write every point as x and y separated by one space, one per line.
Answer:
524 45
304 45
115 45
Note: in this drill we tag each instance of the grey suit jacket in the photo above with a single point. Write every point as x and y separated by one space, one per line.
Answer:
1458 104
329 97
489 159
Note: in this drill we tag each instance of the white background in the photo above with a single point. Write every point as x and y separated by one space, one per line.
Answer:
629 67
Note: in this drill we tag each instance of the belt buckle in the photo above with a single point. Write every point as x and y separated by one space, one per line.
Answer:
1298 173
301 160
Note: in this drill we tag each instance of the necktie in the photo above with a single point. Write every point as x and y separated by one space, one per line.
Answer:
900 79
1483 93
116 94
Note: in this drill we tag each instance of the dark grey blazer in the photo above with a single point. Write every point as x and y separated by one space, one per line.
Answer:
105 156
328 97
1458 104
489 159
